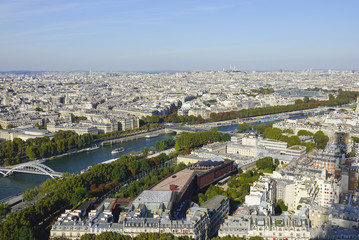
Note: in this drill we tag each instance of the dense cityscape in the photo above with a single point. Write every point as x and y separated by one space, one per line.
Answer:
285 169
179 120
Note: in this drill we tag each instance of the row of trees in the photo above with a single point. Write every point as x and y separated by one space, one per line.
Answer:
12 151
341 99
120 133
173 118
57 194
164 144
192 140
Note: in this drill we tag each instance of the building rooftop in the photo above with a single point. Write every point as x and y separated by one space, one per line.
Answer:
154 196
214 202
179 179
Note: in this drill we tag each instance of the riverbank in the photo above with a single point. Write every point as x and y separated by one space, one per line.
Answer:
110 142
99 142
17 183
134 137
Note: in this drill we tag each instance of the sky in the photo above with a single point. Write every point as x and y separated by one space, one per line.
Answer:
182 35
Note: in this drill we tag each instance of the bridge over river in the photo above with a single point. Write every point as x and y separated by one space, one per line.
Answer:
32 168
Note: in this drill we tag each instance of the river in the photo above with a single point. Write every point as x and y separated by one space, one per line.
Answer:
19 182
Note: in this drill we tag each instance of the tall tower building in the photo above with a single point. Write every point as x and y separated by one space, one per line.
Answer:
6 99
357 108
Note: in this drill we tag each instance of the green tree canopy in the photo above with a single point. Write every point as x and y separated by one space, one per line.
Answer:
120 173
320 139
78 195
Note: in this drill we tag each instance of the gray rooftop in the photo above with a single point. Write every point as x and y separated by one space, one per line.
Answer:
152 196
214 202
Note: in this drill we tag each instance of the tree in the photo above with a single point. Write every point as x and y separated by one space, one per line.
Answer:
304 133
273 133
241 128
24 233
144 151
298 101
294 140
306 99
119 173
276 161
9 126
30 194
144 164
157 145
288 131
309 146
4 209
266 164
255 238
78 195
320 139
32 152
280 207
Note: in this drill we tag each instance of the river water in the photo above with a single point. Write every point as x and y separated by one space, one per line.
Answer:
19 182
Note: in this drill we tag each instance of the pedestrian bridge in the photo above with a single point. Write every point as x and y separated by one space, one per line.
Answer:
32 168
179 129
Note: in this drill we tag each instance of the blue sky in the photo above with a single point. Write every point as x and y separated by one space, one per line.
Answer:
151 35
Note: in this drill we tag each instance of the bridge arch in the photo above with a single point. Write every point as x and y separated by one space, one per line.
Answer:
31 168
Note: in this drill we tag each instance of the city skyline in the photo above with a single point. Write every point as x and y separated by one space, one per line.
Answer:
182 36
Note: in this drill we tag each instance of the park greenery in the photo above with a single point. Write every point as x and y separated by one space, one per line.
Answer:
192 140
55 195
